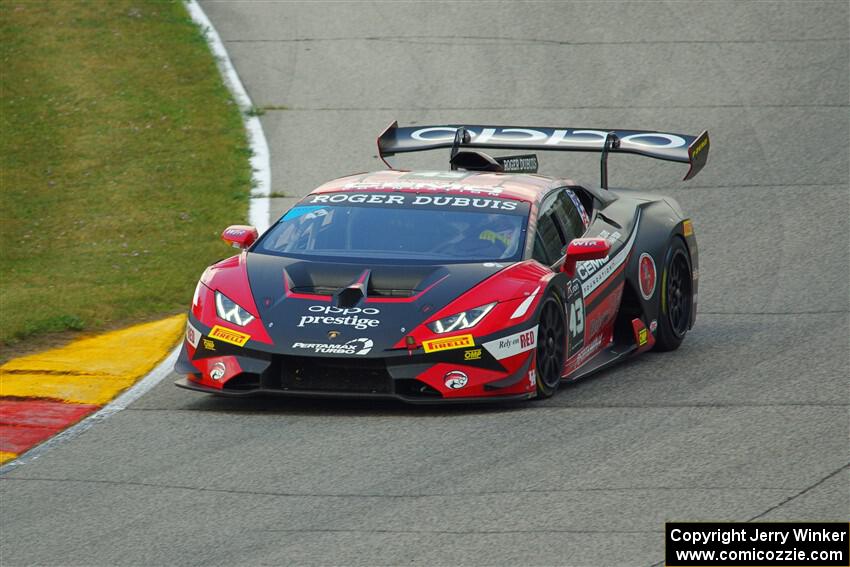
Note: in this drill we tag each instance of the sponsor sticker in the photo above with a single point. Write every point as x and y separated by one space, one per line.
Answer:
587 351
474 354
588 267
411 185
544 137
413 200
611 238
217 371
229 335
518 164
306 212
448 343
579 207
512 344
532 378
594 272
642 337
350 317
700 147
653 325
455 379
575 317
358 347
193 335
209 345
647 275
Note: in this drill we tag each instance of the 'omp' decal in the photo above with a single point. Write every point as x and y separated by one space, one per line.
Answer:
512 344
448 343
474 354
229 335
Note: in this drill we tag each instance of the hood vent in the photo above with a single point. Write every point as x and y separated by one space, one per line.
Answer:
351 295
314 278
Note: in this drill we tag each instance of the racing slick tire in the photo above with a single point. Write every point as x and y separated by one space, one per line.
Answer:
676 300
551 346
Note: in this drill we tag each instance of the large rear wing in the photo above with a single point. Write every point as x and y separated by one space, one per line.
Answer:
682 148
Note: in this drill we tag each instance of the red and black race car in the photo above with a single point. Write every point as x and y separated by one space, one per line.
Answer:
484 282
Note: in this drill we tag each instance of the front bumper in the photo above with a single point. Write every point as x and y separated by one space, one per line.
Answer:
317 394
228 370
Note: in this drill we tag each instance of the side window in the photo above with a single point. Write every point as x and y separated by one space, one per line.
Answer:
568 215
539 252
549 239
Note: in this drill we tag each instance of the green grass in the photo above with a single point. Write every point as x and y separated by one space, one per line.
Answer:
122 157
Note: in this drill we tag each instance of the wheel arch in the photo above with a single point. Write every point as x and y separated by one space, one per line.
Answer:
660 223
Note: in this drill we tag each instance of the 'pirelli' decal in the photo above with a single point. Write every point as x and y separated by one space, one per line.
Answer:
229 336
448 343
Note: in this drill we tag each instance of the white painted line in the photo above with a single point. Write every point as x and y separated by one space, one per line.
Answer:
121 402
258 210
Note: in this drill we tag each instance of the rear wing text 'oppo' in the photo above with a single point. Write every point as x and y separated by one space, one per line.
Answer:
682 148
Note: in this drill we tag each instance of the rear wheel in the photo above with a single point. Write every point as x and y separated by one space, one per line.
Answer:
551 346
676 299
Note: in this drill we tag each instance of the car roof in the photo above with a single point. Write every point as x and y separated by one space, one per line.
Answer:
516 186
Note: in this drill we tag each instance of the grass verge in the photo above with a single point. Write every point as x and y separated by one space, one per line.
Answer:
122 157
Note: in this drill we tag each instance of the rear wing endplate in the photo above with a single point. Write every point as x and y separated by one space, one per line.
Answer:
681 148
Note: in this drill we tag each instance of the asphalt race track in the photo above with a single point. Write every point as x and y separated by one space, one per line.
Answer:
747 421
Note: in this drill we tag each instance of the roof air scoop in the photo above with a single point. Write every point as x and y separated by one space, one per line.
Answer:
352 294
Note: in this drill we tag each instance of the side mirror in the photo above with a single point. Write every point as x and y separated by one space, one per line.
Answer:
581 249
239 235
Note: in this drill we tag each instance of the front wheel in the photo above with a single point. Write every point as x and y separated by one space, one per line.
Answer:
551 346
676 299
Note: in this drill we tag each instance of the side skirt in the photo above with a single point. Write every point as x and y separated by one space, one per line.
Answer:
607 357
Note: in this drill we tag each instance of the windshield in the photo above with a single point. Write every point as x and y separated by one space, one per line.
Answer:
400 227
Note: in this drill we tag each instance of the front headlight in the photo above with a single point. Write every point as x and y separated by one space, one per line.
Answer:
460 321
230 311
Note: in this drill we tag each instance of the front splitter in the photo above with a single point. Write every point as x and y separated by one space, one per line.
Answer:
261 392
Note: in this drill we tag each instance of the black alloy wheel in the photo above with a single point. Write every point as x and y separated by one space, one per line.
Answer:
551 346
676 298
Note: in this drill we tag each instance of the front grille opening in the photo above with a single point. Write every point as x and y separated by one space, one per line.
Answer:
415 389
243 381
365 376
